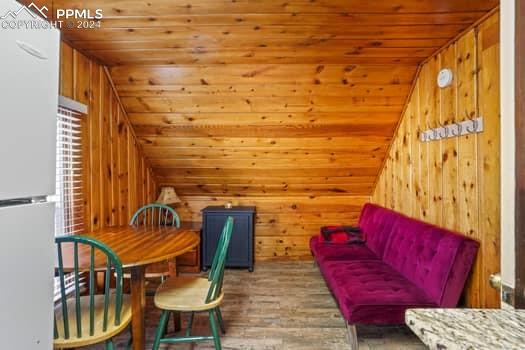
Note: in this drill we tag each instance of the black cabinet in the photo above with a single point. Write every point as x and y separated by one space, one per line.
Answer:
240 253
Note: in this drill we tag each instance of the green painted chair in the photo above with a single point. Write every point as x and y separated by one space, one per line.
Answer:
195 294
82 320
155 215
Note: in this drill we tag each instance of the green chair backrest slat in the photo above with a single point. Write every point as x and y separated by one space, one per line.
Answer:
155 215
78 313
92 291
113 267
106 292
216 274
63 295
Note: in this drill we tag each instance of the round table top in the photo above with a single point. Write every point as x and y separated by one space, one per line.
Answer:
135 246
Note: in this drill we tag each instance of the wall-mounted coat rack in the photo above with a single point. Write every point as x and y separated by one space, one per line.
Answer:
470 126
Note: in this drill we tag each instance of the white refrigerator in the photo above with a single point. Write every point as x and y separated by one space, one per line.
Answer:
29 70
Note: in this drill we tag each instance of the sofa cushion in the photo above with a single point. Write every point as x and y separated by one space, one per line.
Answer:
376 224
376 237
434 259
366 214
339 252
371 292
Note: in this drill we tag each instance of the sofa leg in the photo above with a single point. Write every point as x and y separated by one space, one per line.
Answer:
352 336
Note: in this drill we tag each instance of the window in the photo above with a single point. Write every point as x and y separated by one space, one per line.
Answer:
69 214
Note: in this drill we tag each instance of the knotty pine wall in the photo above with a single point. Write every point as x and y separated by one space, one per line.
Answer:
302 143
284 224
288 106
117 179
455 182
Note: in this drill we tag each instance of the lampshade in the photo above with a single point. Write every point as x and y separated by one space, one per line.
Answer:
168 196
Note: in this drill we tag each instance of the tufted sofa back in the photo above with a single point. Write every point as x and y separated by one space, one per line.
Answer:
376 223
366 214
436 260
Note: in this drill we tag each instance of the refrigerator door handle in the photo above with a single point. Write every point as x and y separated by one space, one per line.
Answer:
33 51
25 201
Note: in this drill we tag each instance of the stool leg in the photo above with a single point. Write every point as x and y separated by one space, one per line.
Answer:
160 329
214 331
221 321
109 345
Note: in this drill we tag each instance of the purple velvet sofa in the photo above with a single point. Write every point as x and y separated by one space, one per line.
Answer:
405 263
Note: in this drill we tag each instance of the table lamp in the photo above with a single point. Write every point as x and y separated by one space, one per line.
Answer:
168 196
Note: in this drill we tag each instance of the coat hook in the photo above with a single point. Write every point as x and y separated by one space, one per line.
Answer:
436 135
457 127
431 136
474 124
444 128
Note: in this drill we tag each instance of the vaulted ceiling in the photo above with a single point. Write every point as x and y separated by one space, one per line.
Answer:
272 32
268 97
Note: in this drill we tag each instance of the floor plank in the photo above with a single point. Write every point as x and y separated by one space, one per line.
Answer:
282 306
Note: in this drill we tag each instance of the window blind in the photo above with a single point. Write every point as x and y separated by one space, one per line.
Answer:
69 212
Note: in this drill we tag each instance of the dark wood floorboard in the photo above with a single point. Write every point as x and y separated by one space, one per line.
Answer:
282 306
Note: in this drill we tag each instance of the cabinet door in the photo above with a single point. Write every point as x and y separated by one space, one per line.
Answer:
212 232
239 251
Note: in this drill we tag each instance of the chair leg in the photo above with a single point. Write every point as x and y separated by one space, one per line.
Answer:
221 321
109 344
160 329
167 323
214 331
177 323
126 286
352 336
130 341
190 324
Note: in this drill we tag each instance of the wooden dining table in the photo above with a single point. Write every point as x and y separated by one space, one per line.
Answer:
138 247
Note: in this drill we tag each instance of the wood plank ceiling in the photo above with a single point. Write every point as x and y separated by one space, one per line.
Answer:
287 96
268 97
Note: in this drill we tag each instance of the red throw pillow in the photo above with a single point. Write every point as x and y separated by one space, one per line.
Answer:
337 235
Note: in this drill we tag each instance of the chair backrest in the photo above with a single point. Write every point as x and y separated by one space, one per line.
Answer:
113 267
155 215
216 274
